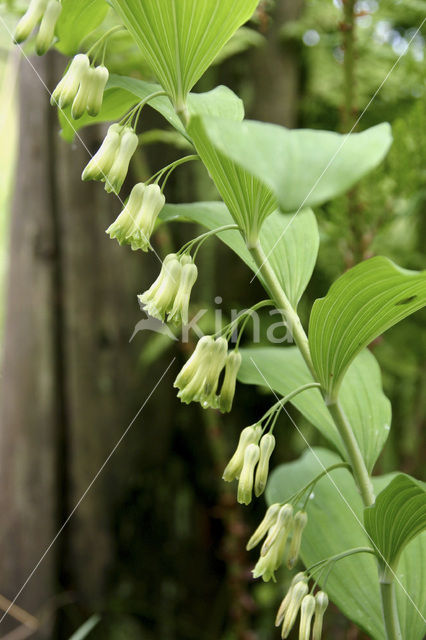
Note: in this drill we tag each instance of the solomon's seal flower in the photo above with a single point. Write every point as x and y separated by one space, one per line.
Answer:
274 546
158 300
299 577
299 591
321 604
306 614
227 392
180 310
67 88
117 174
135 223
46 32
79 105
199 378
249 435
245 483
300 522
99 79
102 161
267 445
29 20
268 521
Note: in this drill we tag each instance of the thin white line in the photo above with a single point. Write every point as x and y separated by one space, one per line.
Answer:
341 146
84 495
76 132
341 495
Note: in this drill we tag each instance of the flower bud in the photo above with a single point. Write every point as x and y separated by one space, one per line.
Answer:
306 614
267 445
321 604
249 435
158 300
268 521
180 311
245 483
227 392
216 365
286 601
284 523
118 172
29 20
79 104
102 161
46 32
300 522
195 362
67 88
264 568
298 593
97 88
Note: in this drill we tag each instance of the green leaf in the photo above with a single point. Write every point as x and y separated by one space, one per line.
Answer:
362 304
181 39
397 516
293 257
78 18
303 168
123 92
335 513
362 397
249 201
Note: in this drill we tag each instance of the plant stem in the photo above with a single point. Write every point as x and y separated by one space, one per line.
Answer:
359 469
390 611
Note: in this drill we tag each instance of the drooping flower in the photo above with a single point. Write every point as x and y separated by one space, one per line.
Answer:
158 299
199 378
300 522
227 392
268 521
273 548
95 98
299 577
102 161
79 105
46 33
298 593
249 435
180 311
245 483
29 20
135 223
67 88
117 174
321 604
267 446
306 615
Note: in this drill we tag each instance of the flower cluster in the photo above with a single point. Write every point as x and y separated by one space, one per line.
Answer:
199 379
136 222
46 14
82 87
168 298
310 606
253 449
111 162
277 525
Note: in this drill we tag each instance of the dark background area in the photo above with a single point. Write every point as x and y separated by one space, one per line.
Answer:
156 547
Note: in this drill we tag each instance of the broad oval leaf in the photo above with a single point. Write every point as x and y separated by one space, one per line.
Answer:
123 92
304 167
249 201
181 38
293 257
369 411
397 516
362 304
78 18
335 524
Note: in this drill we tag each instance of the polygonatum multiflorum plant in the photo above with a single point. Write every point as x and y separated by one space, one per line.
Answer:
360 537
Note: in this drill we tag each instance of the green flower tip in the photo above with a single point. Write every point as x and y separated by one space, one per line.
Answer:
46 33
136 222
277 530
